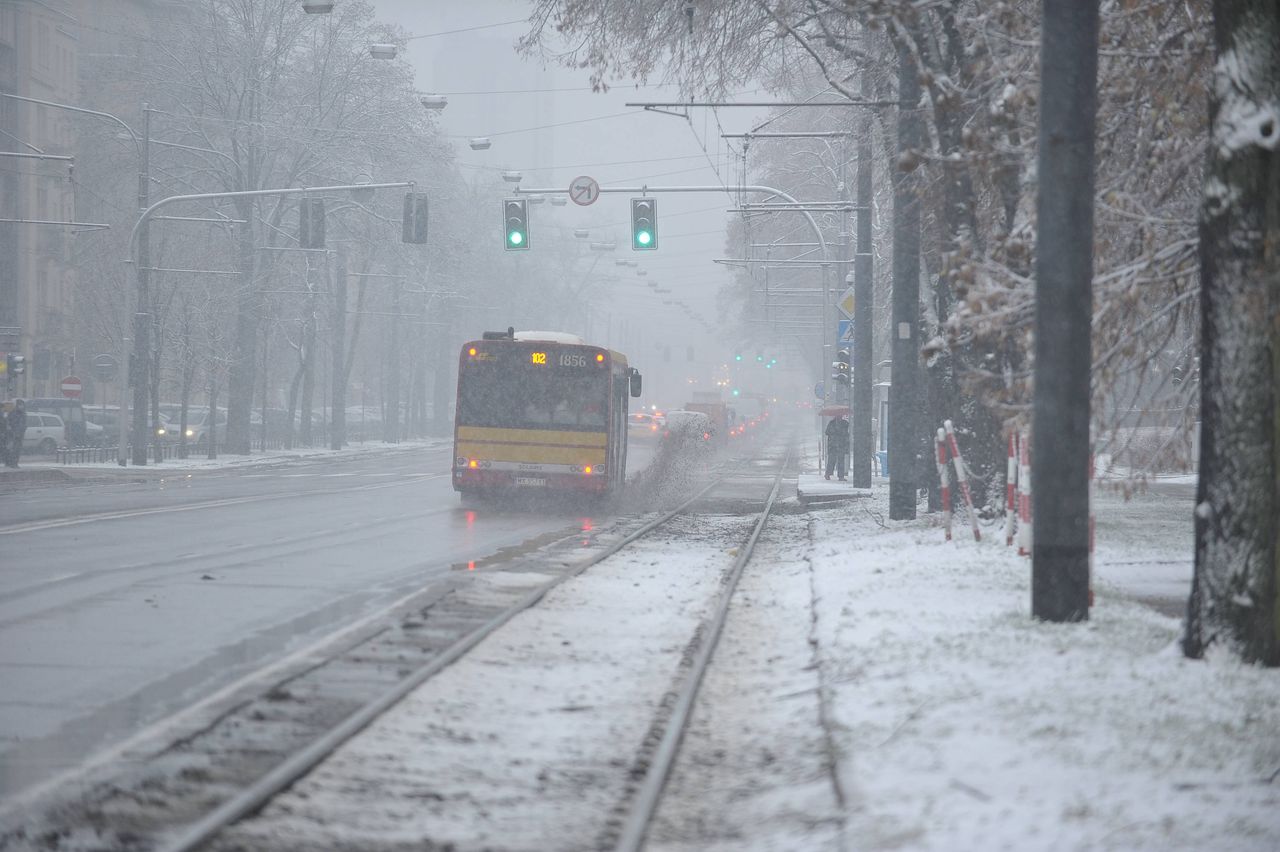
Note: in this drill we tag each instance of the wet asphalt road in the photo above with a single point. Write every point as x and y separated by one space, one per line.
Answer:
122 602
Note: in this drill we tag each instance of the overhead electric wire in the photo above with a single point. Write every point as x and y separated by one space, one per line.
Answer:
542 126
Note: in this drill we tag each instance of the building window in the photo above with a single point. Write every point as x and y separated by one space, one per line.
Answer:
42 45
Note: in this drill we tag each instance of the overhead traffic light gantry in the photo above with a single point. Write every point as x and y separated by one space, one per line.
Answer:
515 217
644 224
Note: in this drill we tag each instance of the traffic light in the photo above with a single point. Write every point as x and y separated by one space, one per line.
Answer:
737 357
840 368
515 217
17 363
413 225
311 223
644 224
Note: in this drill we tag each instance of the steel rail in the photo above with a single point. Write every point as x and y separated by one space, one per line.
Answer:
252 798
663 759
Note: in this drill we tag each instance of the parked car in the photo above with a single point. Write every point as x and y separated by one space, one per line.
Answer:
45 432
106 418
72 414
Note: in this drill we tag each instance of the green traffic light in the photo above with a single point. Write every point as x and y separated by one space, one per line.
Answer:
737 357
644 238
735 391
515 238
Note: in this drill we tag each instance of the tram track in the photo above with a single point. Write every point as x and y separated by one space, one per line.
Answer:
657 759
182 794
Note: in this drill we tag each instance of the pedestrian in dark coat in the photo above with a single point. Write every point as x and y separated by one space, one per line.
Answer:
4 433
838 447
17 428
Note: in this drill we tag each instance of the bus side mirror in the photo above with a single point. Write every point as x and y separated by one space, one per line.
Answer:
636 383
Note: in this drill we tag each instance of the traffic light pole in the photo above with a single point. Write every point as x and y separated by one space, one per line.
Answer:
139 256
828 327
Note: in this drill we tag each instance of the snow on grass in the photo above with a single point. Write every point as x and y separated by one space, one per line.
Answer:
968 725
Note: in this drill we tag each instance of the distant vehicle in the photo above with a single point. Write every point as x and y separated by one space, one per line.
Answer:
199 424
45 432
541 410
643 425
72 413
106 418
690 431
717 413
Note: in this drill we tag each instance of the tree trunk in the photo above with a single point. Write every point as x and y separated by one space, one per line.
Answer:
441 386
338 371
391 418
1234 601
308 373
249 310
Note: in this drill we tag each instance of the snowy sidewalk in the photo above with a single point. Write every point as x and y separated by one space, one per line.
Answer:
956 721
36 468
967 725
813 488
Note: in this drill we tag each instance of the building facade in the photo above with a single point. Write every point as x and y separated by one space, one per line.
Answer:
39 53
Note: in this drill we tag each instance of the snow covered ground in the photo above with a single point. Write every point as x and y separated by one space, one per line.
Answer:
200 461
878 688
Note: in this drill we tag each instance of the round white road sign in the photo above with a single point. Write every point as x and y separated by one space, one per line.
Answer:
584 190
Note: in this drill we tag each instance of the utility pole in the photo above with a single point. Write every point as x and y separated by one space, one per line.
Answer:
141 366
1064 309
905 434
863 443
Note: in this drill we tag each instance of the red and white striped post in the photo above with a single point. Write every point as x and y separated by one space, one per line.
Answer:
1024 495
1010 489
962 477
1093 471
945 478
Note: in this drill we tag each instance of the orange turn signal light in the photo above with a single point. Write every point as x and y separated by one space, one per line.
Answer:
587 469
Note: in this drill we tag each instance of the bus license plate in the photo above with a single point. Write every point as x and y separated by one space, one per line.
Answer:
530 480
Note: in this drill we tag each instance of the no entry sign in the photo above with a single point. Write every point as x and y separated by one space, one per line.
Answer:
71 387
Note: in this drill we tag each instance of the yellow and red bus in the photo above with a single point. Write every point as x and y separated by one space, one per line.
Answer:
541 410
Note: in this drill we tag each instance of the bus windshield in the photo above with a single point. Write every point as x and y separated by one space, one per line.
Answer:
532 398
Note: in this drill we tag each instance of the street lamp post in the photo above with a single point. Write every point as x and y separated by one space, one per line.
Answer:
141 337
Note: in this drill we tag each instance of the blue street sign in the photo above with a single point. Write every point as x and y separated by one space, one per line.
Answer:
844 331
819 390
